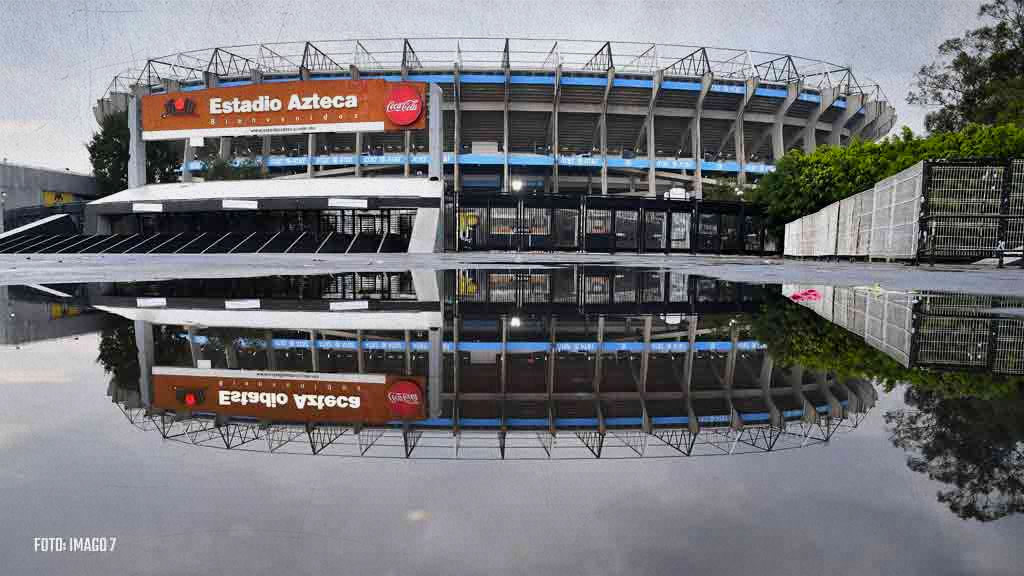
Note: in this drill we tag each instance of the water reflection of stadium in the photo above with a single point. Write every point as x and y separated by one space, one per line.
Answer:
554 363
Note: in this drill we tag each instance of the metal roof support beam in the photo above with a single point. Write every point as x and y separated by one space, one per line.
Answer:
304 74
778 142
872 110
268 338
552 359
883 123
853 104
740 144
315 59
407 136
435 375
765 379
137 146
695 136
598 369
554 125
603 126
505 123
652 155
313 352
457 168
360 356
810 129
645 363
456 372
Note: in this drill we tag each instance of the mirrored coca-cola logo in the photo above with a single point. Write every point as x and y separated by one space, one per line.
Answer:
404 105
405 399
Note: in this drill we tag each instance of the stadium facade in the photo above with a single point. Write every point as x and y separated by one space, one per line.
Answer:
533 144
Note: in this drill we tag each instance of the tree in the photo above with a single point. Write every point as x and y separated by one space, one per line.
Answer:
974 446
980 76
220 169
109 153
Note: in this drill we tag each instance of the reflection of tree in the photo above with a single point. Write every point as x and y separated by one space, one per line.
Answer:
119 355
795 335
974 446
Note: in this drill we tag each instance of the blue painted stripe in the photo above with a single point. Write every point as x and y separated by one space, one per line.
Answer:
482 79
796 413
770 92
729 88
438 78
513 346
526 422
280 79
624 421
234 83
575 421
839 103
823 408
809 97
528 79
679 85
670 420
482 422
583 81
756 417
277 161
632 83
715 419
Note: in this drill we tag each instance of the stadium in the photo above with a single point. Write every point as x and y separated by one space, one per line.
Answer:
576 362
537 145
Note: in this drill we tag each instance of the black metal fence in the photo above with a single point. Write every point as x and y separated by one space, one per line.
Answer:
604 224
972 209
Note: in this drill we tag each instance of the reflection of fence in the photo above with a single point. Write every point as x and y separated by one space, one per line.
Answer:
884 319
944 331
950 209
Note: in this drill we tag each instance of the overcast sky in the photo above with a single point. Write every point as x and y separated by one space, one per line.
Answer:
57 57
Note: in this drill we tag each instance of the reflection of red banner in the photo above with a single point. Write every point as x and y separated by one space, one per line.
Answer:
290 396
809 295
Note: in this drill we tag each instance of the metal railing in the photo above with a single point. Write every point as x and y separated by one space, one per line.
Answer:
408 55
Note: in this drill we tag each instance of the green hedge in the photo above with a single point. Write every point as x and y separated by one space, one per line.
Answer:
805 183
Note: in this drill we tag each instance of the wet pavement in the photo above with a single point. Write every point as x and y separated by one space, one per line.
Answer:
372 416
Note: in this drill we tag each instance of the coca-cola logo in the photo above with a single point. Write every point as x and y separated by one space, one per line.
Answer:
404 105
405 399
179 106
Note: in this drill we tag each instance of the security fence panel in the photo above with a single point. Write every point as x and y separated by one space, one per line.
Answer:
963 205
906 212
826 228
679 231
1009 346
1015 207
889 324
536 229
566 227
792 241
866 205
808 234
846 231
953 341
655 231
626 229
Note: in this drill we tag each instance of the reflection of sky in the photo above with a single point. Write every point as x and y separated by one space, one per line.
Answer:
73 466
